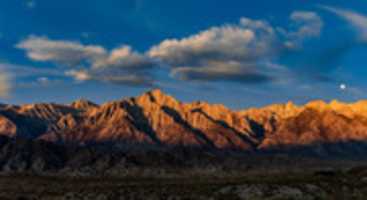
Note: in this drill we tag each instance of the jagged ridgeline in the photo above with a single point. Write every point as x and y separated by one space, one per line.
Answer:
160 120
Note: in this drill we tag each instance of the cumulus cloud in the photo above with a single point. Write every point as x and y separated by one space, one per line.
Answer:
236 51
229 51
228 42
358 20
63 52
124 58
240 52
91 62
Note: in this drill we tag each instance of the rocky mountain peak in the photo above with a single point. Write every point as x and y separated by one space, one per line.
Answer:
83 104
157 96
319 105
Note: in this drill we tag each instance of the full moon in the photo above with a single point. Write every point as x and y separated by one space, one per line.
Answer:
343 86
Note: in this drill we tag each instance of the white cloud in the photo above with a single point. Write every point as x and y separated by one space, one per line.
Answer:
214 51
310 24
228 42
236 52
91 62
60 51
79 75
304 24
124 58
358 20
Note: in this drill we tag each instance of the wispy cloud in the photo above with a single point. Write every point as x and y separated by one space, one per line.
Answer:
21 71
308 24
20 76
224 71
358 20
321 63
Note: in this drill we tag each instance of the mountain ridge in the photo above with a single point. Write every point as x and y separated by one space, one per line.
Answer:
159 119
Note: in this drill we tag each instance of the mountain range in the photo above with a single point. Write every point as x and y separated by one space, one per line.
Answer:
157 119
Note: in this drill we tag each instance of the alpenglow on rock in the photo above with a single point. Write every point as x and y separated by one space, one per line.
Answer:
158 119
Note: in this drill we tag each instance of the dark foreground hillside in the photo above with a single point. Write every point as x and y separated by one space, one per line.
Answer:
35 170
44 158
329 185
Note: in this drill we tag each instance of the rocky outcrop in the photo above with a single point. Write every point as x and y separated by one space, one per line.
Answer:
7 127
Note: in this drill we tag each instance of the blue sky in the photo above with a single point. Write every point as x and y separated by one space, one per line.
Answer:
240 53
